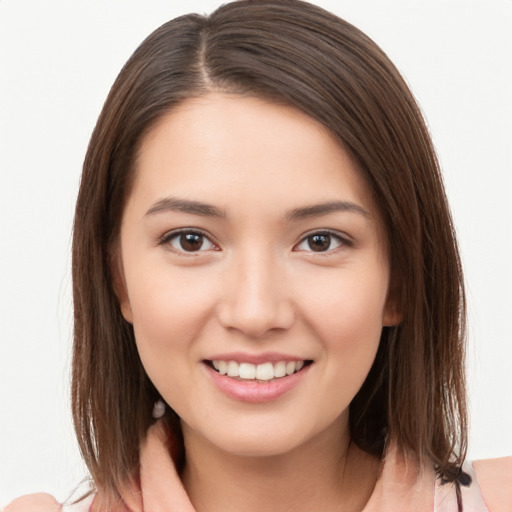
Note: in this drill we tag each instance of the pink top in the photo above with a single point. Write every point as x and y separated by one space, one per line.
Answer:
400 487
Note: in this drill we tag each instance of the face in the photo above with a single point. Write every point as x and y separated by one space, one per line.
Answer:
254 271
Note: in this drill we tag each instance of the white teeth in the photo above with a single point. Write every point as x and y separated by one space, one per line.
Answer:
247 371
223 367
233 369
280 369
264 371
290 367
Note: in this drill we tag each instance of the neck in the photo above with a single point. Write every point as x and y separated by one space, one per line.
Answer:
327 473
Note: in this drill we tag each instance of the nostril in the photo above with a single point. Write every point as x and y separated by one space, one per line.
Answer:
254 314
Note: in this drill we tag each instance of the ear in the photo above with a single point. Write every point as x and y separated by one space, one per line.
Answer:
392 315
120 289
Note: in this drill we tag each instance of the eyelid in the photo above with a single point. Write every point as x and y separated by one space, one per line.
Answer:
165 239
344 239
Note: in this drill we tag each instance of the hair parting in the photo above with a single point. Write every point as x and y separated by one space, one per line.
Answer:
290 52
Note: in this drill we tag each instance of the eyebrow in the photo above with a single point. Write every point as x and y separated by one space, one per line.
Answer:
318 210
186 206
208 210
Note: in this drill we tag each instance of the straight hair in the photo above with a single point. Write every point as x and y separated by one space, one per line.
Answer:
293 53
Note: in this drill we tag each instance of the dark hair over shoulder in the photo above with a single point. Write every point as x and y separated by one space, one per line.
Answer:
294 53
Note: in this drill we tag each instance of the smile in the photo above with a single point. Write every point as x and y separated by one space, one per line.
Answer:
258 381
262 372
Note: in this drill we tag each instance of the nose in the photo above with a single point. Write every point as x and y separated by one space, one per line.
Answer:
255 300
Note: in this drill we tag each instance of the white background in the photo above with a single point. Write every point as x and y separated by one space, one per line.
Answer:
58 59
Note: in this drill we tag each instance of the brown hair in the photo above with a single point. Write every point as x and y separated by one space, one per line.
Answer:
298 54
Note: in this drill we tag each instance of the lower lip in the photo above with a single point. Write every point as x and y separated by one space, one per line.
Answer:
256 392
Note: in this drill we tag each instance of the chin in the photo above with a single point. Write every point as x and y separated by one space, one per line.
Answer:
258 445
266 438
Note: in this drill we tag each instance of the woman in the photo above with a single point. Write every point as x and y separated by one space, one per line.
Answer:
269 306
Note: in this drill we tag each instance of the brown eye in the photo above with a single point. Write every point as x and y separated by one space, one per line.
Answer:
190 241
321 242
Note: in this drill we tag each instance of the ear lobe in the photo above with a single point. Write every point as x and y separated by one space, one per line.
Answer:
126 310
392 315
120 290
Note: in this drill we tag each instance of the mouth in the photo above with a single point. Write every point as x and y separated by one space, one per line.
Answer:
264 372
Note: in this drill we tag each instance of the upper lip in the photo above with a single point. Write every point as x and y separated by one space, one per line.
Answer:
266 357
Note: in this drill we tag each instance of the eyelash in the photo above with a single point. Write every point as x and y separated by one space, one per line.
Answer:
343 241
169 237
166 239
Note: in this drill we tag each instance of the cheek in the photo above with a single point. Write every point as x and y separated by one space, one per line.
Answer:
349 305
169 310
347 315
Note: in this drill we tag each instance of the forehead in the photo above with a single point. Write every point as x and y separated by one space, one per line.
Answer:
231 148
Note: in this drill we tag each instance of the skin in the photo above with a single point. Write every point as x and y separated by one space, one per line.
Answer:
254 285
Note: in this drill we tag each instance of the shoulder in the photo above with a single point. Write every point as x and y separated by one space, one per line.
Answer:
42 502
495 479
39 502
